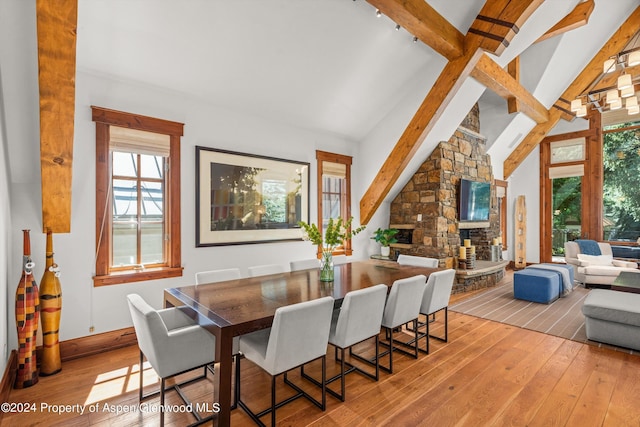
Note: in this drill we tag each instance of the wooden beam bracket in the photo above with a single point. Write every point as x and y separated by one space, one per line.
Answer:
509 25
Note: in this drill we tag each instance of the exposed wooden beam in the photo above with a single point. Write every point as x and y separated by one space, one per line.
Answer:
566 113
56 24
513 68
498 22
615 44
578 17
425 23
494 77
445 88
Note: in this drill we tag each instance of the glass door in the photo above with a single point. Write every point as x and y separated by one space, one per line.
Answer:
563 200
566 199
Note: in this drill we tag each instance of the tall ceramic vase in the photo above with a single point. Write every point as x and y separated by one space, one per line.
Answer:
50 310
27 316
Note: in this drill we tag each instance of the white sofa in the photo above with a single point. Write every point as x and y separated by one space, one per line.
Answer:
596 269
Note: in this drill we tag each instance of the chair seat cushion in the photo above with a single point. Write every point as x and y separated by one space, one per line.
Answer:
603 270
536 285
254 345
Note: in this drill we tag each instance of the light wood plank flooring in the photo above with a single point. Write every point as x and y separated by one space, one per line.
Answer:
488 374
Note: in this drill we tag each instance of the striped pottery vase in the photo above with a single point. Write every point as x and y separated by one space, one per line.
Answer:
50 310
27 316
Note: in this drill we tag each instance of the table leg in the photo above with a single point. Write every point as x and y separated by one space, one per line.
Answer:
222 380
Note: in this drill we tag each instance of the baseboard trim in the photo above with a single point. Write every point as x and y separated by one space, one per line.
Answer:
95 344
9 377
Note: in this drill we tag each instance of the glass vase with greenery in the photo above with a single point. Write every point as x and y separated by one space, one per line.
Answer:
335 234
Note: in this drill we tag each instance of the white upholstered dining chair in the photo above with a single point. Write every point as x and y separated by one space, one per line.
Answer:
288 344
358 319
263 270
436 297
340 259
173 343
304 264
214 276
402 306
417 261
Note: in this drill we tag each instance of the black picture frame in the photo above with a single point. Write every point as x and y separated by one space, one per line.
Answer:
247 199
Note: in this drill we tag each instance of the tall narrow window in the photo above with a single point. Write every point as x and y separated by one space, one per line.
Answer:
621 180
334 191
138 199
501 194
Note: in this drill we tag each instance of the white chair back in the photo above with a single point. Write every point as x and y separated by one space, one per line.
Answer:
148 326
304 264
168 351
340 259
263 270
417 261
437 291
360 316
214 276
299 334
405 298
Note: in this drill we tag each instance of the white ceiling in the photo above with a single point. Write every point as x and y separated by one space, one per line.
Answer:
328 65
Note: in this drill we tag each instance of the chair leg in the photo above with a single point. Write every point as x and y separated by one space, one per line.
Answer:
141 373
162 384
428 335
273 401
347 368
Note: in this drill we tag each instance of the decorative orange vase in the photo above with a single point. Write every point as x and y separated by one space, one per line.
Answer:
50 310
27 316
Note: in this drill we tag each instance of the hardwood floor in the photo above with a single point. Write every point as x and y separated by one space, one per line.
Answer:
488 374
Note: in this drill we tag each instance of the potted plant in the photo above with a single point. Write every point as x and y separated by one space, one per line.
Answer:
385 237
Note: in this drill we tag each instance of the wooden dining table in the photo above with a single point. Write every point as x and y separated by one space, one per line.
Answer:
236 307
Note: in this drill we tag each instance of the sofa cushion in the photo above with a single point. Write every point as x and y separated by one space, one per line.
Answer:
596 259
613 306
603 270
625 251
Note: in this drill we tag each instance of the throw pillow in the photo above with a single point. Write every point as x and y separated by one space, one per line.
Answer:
596 259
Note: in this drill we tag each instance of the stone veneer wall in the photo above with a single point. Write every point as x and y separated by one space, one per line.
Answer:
433 192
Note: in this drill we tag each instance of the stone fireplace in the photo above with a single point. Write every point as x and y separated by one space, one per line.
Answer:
428 204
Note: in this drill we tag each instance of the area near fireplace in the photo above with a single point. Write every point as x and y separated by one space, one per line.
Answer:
428 206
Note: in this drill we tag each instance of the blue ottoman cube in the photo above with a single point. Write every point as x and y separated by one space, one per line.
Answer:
535 285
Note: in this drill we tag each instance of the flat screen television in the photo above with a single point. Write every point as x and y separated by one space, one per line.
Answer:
475 200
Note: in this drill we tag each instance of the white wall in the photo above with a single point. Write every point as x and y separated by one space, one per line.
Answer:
525 181
6 290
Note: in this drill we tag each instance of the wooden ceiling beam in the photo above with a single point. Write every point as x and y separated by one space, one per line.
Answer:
615 44
425 23
56 26
442 92
498 22
513 68
445 88
578 17
494 77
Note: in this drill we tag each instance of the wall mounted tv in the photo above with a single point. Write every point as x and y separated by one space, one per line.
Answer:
475 201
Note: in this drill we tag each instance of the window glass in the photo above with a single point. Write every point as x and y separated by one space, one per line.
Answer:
124 164
334 191
569 150
621 180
